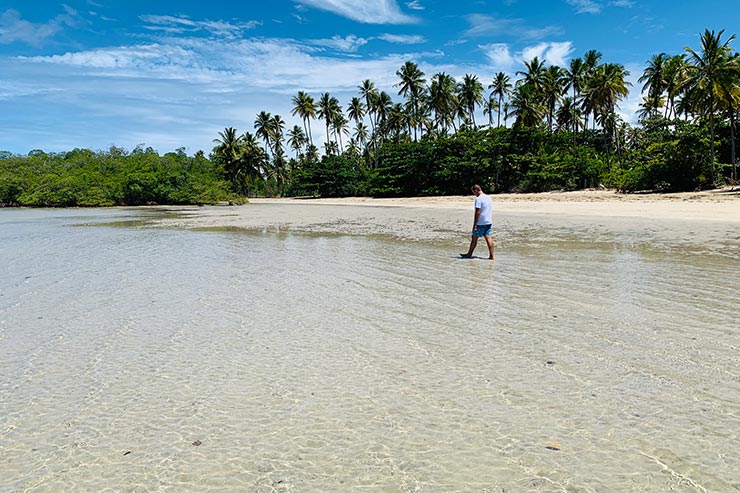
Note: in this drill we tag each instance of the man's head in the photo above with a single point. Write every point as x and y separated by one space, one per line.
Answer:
477 190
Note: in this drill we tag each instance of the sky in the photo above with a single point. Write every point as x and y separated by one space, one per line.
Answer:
173 74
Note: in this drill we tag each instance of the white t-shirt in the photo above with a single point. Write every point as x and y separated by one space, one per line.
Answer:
485 204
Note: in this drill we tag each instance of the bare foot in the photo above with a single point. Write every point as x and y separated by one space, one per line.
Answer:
466 255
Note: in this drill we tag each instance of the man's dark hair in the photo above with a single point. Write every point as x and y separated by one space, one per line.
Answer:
476 188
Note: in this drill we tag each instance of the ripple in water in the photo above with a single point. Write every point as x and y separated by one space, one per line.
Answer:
154 360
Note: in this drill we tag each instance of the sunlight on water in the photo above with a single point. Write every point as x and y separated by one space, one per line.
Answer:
135 359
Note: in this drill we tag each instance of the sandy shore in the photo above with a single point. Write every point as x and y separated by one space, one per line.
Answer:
705 221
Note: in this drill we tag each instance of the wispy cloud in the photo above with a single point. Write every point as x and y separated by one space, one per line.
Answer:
13 28
180 25
502 58
405 39
415 5
347 44
585 6
486 25
499 55
366 11
623 3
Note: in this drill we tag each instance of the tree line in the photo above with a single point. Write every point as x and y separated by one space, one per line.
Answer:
542 130
549 128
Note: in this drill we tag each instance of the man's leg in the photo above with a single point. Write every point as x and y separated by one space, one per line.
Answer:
473 243
489 242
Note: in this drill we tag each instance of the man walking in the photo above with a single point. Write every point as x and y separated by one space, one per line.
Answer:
481 222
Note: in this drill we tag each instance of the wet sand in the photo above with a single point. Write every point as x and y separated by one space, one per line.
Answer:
701 221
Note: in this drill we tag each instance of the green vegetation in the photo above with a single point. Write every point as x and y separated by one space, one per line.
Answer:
564 133
92 179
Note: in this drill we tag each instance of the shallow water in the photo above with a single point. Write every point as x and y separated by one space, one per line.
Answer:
138 359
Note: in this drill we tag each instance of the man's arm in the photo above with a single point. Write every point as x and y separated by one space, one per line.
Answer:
475 218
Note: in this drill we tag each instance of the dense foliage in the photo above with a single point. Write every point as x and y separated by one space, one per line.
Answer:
85 178
565 133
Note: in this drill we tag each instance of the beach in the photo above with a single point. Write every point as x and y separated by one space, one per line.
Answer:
296 345
698 221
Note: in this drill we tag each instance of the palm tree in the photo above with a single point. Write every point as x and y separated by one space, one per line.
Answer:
527 106
297 139
553 87
356 110
674 76
228 152
534 74
710 74
574 79
368 92
650 106
591 60
263 128
568 116
305 107
277 129
607 87
470 95
654 76
412 88
325 111
500 87
443 100
489 107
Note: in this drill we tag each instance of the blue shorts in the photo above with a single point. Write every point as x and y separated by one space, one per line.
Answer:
482 230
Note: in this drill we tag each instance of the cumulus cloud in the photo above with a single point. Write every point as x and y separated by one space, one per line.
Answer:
13 28
365 11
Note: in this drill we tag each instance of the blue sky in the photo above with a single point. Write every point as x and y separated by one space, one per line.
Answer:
171 74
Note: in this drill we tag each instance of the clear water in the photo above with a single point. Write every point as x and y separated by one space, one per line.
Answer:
139 359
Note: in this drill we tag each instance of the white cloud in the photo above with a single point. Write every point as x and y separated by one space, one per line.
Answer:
623 3
15 29
585 6
348 44
179 25
415 5
407 39
366 11
499 55
502 58
486 25
559 53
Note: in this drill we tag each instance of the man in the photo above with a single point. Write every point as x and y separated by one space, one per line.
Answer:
481 222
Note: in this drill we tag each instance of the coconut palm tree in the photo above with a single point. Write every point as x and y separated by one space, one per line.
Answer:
229 152
263 128
553 87
443 100
356 110
305 107
325 111
412 88
534 74
470 94
368 92
297 139
654 76
489 107
568 116
591 60
574 79
710 73
607 87
527 106
500 87
674 76
650 106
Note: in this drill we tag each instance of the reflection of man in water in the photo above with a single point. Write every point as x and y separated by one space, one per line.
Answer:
481 222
